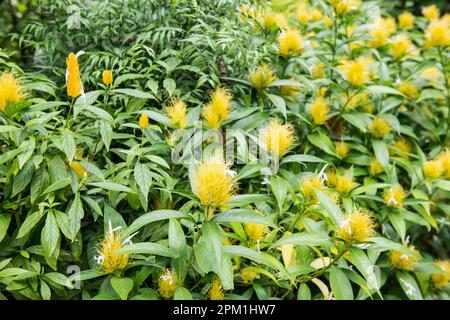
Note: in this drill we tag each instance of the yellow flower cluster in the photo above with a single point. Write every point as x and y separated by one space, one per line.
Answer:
379 127
438 167
290 43
403 261
441 280
355 71
274 20
143 121
319 109
216 291
406 20
394 197
342 149
256 232
307 186
247 276
358 226
177 113
110 262
401 46
74 87
107 77
167 284
431 12
218 108
261 77
437 34
277 137
11 92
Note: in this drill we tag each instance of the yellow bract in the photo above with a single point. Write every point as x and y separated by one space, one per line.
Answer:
143 121
375 167
277 137
74 87
177 113
11 91
290 43
216 291
406 20
261 77
248 275
441 279
400 46
431 12
109 261
107 77
218 108
379 127
432 169
256 232
213 183
403 261
358 226
319 110
342 149
344 183
307 186
355 71
394 197
437 34
403 146
408 89
78 168
167 284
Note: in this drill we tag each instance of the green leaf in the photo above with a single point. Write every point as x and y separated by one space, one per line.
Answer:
303 292
330 207
50 235
153 216
46 293
302 239
359 120
170 85
381 152
68 144
75 214
106 133
57 185
322 141
384 90
148 248
409 285
29 223
182 294
340 285
143 178
111 186
122 286
279 103
134 93
301 158
4 224
244 216
279 188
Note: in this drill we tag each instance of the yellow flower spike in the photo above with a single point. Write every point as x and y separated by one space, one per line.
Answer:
400 46
394 197
375 167
379 127
431 12
318 70
107 260
342 149
432 169
345 183
177 113
277 137
358 226
307 186
319 110
406 20
248 275
107 77
74 87
218 108
403 261
355 71
143 121
441 280
215 291
444 158
438 34
78 168
213 181
408 89
290 43
256 232
379 35
273 19
403 146
261 77
167 284
11 92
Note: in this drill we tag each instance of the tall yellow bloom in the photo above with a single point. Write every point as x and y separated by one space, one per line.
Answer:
319 109
107 77
74 87
11 91
441 280
108 261
277 137
406 20
432 169
274 20
177 113
358 226
402 146
143 121
394 197
437 34
404 261
378 33
214 183
431 12
408 89
167 284
290 43
355 71
342 149
379 127
307 186
218 108
216 291
400 46
261 77
375 167
303 13
345 183
256 232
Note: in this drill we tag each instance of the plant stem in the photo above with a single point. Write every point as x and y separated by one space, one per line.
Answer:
444 71
68 115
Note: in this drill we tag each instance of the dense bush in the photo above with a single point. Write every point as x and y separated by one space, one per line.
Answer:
224 150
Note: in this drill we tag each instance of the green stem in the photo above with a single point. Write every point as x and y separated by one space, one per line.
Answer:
70 110
334 49
444 71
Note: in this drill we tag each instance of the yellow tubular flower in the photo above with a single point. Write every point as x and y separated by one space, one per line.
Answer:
290 43
143 121
403 146
109 262
441 280
273 19
107 77
261 77
437 34
307 186
342 149
73 76
216 291
379 128
11 91
248 275
256 232
177 113
78 168
403 261
355 71
406 20
345 183
408 89
277 137
445 161
431 12
394 197
213 182
167 284
218 108
357 227
432 169
319 110
375 167
400 46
